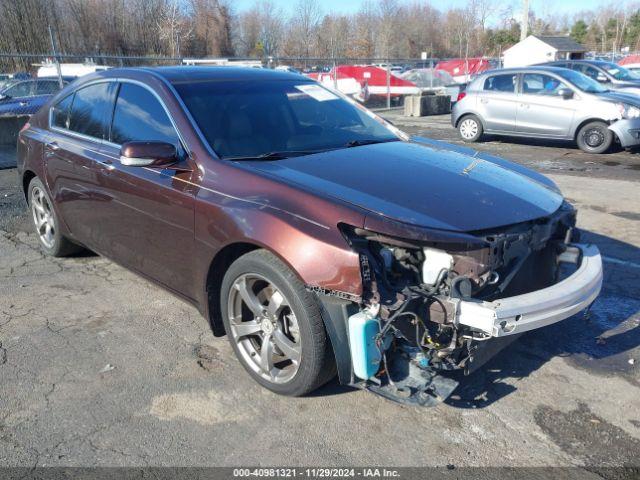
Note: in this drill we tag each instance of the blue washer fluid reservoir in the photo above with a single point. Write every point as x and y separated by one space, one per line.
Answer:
365 355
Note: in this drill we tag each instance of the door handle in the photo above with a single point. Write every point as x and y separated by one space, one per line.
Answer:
23 104
52 146
484 100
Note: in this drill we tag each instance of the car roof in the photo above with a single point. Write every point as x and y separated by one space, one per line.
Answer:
188 74
588 62
533 68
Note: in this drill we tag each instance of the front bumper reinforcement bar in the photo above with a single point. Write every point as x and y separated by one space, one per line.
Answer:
513 315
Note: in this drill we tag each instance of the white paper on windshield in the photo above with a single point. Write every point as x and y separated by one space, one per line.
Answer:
317 92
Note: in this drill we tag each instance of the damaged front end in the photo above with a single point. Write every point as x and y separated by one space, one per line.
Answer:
431 306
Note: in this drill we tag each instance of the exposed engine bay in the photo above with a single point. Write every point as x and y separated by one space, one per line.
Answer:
409 330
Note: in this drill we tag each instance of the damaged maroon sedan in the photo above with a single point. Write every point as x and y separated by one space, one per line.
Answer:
318 237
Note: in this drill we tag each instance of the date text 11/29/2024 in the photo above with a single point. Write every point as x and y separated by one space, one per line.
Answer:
365 472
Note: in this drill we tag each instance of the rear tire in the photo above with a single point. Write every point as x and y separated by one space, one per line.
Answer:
470 128
46 222
594 137
275 326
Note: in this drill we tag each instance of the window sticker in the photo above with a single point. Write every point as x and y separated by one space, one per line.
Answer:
317 92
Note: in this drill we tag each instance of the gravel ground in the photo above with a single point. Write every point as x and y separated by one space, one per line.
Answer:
100 368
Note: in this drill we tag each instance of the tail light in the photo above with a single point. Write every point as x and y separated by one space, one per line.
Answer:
461 95
25 127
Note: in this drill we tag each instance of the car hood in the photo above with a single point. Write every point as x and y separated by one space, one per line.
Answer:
628 83
626 95
424 185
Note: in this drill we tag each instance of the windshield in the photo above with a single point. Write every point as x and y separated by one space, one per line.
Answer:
618 72
5 84
581 81
290 117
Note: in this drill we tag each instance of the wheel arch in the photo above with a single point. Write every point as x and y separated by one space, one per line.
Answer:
584 122
27 176
334 310
217 268
467 114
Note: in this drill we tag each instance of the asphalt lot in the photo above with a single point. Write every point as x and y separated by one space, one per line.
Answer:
99 367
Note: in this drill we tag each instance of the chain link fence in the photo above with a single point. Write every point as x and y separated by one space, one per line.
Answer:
28 80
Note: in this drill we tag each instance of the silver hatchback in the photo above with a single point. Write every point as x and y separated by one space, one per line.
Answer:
547 102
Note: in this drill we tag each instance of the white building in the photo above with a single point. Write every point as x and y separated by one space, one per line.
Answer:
49 69
540 49
222 62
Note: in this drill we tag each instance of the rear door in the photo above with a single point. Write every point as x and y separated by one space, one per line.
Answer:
73 158
497 102
148 213
541 111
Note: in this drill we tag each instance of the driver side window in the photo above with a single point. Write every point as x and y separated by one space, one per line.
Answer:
139 116
539 84
22 89
589 71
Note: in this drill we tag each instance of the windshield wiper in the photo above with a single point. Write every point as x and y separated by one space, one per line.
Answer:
370 141
274 155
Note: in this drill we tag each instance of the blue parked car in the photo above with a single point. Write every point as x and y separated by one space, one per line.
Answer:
25 97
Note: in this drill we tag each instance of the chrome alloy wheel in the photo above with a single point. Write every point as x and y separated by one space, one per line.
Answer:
468 128
264 328
43 217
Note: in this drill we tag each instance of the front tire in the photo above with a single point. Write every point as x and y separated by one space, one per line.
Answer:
594 137
45 222
470 128
275 326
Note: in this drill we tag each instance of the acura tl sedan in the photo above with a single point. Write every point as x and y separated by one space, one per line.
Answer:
548 102
318 237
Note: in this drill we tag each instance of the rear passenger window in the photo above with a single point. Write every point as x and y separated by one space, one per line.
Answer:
90 110
501 83
139 116
60 112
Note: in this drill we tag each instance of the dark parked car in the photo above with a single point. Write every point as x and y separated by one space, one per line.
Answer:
317 236
26 97
609 74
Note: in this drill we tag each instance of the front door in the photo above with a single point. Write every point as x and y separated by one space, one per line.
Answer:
149 220
541 110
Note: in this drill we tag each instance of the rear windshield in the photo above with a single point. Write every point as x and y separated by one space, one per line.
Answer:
250 118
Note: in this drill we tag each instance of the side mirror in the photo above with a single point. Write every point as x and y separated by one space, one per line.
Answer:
4 97
602 78
148 154
565 93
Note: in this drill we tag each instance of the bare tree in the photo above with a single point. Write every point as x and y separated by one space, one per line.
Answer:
304 25
172 27
388 27
380 28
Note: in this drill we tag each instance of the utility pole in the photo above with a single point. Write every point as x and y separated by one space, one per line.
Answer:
55 57
524 24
